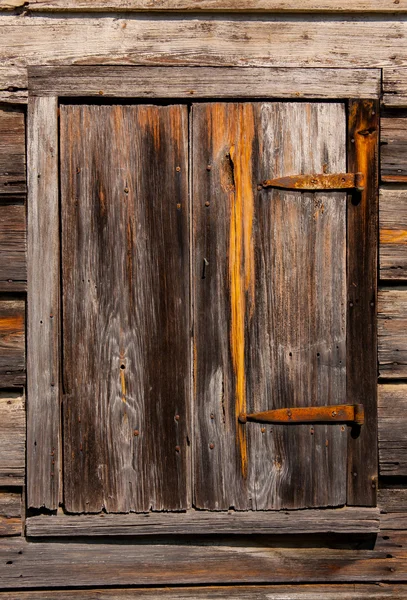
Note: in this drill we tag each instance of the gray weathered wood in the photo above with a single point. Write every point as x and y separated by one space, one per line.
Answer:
393 142
204 82
393 233
12 343
340 520
280 41
126 342
361 321
346 6
33 565
392 327
12 438
13 261
269 315
13 84
382 591
395 87
393 500
43 408
10 513
392 429
12 151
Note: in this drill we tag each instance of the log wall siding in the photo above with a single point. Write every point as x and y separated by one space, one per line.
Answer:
272 37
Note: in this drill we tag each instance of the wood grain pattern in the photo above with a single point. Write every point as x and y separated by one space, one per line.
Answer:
125 256
227 40
43 327
392 428
263 336
10 513
395 87
392 500
12 438
241 561
13 261
361 355
12 343
382 591
340 520
393 234
13 84
12 151
347 6
204 82
392 323
393 142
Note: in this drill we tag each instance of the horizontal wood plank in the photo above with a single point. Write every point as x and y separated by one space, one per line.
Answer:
342 520
392 429
393 141
204 82
393 233
392 500
49 564
12 438
13 85
360 6
13 233
232 40
12 152
392 338
12 343
10 513
394 87
258 592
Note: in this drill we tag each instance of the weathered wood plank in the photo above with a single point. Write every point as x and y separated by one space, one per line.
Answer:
393 142
12 438
12 151
346 6
267 335
345 591
341 520
361 335
13 85
33 565
43 411
12 343
392 429
393 233
392 500
395 87
204 82
13 262
10 513
279 41
125 260
392 326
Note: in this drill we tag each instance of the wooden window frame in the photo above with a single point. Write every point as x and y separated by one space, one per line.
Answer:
360 89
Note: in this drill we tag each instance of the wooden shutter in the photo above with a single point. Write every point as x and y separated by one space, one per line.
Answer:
269 290
125 300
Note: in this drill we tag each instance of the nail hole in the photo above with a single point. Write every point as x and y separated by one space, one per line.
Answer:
122 366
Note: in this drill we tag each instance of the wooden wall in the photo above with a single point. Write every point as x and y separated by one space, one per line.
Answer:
322 33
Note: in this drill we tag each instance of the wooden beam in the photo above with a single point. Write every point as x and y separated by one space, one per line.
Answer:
12 343
392 326
227 40
260 6
204 82
392 429
43 414
340 520
12 438
361 338
393 234
243 560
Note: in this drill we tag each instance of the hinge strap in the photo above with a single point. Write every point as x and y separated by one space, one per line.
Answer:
352 414
323 181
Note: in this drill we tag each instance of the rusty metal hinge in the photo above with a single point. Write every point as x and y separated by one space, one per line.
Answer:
352 414
322 181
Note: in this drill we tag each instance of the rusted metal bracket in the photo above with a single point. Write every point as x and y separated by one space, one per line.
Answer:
352 414
322 181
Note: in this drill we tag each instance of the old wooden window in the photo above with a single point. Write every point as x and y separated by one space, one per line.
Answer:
182 293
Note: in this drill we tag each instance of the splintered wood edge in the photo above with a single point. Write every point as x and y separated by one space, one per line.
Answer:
336 520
